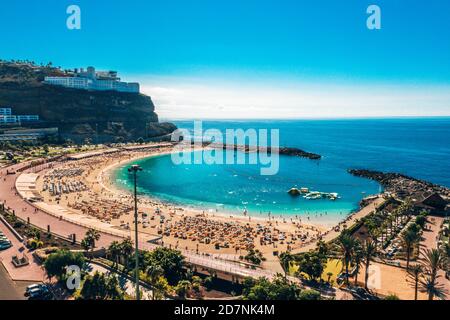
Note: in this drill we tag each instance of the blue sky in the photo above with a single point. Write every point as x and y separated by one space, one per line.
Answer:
301 50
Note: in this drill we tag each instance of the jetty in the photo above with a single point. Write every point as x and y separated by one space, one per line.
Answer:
400 184
289 151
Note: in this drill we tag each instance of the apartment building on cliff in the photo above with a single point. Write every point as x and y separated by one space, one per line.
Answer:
7 117
94 80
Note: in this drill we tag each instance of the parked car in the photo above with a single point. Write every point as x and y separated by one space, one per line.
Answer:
43 294
32 287
38 291
362 294
4 246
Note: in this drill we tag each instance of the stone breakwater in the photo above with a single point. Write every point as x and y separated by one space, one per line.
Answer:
402 185
281 150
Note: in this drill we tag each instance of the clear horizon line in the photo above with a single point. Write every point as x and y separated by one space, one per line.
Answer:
309 118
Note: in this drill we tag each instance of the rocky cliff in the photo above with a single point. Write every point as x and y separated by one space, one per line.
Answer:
79 114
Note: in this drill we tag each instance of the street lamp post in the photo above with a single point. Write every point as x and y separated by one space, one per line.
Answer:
134 170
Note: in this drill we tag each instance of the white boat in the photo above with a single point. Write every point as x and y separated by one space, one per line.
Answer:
313 195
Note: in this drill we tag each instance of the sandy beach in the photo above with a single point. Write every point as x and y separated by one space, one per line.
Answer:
85 187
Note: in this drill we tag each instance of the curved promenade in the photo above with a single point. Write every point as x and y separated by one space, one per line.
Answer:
61 226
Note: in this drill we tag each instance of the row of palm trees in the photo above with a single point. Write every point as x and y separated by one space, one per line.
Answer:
120 252
424 274
381 224
349 250
410 239
353 252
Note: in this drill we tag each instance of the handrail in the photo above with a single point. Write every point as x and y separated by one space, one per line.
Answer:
14 232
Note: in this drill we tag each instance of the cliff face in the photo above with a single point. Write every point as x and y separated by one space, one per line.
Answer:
79 114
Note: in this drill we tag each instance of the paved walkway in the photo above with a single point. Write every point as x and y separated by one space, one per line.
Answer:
40 218
32 272
430 238
430 235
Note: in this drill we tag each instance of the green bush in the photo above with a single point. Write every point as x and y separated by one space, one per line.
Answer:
263 289
309 295
421 220
18 224
56 263
34 244
208 283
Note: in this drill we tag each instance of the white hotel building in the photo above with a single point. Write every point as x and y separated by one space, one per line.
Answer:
6 117
5 111
92 80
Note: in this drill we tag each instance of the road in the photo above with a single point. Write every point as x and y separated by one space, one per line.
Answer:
9 290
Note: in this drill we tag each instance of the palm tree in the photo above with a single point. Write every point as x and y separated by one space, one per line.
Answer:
414 273
395 214
114 252
374 235
86 245
369 250
358 256
183 287
406 206
154 272
447 256
390 221
346 247
322 248
160 288
432 260
432 288
126 250
286 258
91 236
409 238
383 230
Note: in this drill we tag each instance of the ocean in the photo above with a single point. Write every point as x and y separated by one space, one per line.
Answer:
416 147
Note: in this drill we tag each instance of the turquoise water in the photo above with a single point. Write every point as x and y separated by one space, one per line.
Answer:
418 147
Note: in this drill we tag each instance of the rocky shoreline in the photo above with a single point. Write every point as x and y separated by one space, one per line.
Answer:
401 185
